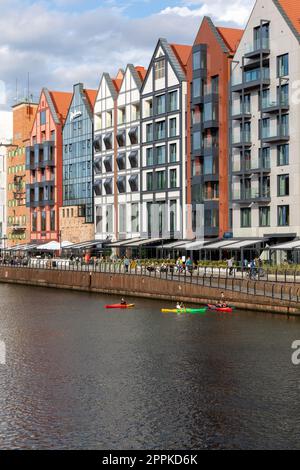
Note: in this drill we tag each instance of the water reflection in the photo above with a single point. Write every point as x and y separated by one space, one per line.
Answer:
80 376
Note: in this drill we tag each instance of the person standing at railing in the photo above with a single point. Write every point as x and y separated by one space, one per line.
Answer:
126 264
230 265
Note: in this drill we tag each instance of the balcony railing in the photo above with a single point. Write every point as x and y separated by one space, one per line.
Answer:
251 194
253 165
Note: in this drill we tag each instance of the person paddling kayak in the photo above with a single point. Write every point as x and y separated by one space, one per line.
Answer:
222 303
123 302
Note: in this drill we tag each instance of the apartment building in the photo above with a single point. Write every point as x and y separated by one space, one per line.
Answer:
44 154
18 215
207 117
77 213
5 140
163 143
105 157
128 156
266 123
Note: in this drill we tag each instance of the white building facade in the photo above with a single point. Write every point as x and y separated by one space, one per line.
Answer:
128 153
6 132
266 126
105 158
163 148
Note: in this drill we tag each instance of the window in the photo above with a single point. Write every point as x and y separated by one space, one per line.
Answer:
52 221
121 184
265 162
108 163
98 188
122 218
173 178
97 143
133 159
196 60
159 69
264 216
43 117
173 101
261 37
283 155
197 141
173 215
149 132
109 218
121 161
108 141
161 179
133 135
173 153
149 181
34 222
161 129
134 217
173 127
283 185
161 154
210 166
283 125
215 84
121 138
149 156
99 219
134 182
245 217
43 221
197 85
108 185
283 215
211 218
283 65
161 104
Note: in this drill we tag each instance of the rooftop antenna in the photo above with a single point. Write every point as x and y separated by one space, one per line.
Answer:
28 87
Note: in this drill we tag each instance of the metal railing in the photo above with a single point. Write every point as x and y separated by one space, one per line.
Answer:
284 286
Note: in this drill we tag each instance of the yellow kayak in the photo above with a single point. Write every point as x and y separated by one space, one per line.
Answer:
184 310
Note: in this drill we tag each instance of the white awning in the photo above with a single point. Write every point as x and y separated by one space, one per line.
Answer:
242 244
125 242
294 244
147 241
220 244
174 245
196 245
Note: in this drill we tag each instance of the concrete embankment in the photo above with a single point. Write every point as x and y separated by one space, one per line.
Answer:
144 286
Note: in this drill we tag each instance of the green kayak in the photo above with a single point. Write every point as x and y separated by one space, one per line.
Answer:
184 310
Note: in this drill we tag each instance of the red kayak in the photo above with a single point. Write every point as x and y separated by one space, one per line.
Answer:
120 306
220 309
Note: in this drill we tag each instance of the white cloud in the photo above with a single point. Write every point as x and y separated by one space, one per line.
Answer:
230 12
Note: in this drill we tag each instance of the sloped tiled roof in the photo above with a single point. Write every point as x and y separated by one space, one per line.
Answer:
141 71
231 37
182 53
91 96
61 101
290 9
117 83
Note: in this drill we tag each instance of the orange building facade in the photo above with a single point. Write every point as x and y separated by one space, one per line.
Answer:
208 130
44 166
18 215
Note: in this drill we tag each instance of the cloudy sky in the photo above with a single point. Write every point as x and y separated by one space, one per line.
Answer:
61 42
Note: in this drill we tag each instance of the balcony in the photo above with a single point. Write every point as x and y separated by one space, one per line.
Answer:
251 167
210 149
251 195
242 140
274 107
281 135
240 112
252 79
258 48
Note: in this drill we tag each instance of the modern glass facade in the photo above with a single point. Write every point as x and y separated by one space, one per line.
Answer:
78 155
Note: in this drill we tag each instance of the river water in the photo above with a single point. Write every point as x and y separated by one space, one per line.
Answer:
78 376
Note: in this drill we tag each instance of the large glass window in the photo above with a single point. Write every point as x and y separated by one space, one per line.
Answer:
264 216
134 217
245 217
173 178
173 127
161 154
149 156
197 141
283 154
109 219
161 129
43 221
52 221
197 87
161 179
173 153
173 101
159 69
149 132
283 215
283 185
161 104
149 181
283 65
43 117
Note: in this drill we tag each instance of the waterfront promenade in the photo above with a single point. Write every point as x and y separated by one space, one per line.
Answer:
203 286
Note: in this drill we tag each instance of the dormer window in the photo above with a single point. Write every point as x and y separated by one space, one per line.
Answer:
108 163
133 135
108 141
133 159
159 69
121 138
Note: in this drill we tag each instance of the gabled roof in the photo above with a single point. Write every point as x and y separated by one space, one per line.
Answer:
91 96
61 102
141 71
290 10
231 37
182 53
228 38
